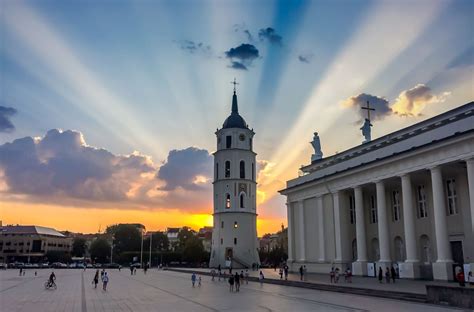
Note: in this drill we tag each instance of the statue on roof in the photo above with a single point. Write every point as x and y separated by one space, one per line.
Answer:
318 154
366 126
366 130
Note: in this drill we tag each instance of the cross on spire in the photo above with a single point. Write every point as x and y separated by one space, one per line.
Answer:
234 83
368 108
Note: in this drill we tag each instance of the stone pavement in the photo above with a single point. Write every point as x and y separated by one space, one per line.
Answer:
171 291
402 285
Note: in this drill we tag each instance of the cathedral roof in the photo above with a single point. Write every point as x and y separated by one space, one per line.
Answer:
234 120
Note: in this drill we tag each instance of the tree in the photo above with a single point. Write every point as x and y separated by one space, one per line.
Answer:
126 237
184 234
100 250
158 238
79 247
193 250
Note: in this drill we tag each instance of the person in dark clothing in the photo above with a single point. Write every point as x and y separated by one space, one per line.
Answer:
380 275
237 281
301 273
460 278
95 281
231 283
393 274
387 275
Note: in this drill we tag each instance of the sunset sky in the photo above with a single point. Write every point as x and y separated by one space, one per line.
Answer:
108 108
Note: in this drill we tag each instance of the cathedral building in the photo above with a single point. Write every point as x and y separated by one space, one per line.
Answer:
405 200
234 235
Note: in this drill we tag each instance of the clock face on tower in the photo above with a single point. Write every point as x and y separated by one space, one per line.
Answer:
242 137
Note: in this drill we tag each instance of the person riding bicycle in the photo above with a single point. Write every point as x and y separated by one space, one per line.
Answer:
52 278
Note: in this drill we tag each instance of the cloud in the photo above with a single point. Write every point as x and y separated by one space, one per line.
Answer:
193 47
270 35
245 54
306 58
189 169
62 165
5 123
249 35
237 65
381 105
411 102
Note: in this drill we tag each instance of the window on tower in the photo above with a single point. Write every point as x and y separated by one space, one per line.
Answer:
242 169
227 201
227 169
228 141
235 240
242 201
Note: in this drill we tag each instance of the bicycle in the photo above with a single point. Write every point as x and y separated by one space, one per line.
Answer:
50 285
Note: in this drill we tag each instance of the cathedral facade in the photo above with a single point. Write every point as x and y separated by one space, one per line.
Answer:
234 236
404 200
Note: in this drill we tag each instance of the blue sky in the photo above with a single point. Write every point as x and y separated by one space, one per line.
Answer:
154 76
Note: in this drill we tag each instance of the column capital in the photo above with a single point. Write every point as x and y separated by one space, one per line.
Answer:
469 160
379 182
434 168
404 175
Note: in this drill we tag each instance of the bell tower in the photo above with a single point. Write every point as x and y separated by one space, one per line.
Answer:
234 236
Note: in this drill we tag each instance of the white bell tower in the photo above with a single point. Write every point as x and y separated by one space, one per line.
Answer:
234 236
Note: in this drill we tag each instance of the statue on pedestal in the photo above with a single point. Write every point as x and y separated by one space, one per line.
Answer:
318 154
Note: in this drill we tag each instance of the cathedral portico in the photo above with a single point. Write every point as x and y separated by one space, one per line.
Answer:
403 200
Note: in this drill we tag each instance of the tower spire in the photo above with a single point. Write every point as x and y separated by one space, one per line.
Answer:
235 109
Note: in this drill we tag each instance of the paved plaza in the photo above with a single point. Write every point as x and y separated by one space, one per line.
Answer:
172 291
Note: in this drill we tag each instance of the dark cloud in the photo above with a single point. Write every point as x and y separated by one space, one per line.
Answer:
270 35
62 165
195 47
188 169
249 35
237 65
305 58
380 105
242 56
5 123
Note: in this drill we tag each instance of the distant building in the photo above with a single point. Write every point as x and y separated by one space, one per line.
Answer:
30 243
205 235
269 242
172 234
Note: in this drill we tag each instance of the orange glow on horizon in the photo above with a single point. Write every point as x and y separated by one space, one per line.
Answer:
89 220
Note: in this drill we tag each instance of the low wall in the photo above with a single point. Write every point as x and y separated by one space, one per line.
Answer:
462 297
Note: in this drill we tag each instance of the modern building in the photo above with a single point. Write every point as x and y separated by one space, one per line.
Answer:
30 243
404 199
234 237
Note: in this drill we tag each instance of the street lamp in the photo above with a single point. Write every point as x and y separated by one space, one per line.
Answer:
161 254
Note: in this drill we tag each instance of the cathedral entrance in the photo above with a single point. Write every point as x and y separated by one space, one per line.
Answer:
229 253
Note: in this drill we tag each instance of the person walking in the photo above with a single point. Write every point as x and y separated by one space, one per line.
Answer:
193 278
199 281
105 281
304 272
95 281
21 271
348 275
231 283
261 278
213 274
237 281
131 269
286 269
281 273
301 273
332 274
393 274
387 275
380 275
470 278
336 275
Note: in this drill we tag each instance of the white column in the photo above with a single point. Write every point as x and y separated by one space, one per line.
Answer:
337 226
409 269
470 182
360 266
301 225
322 238
290 231
442 268
382 222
